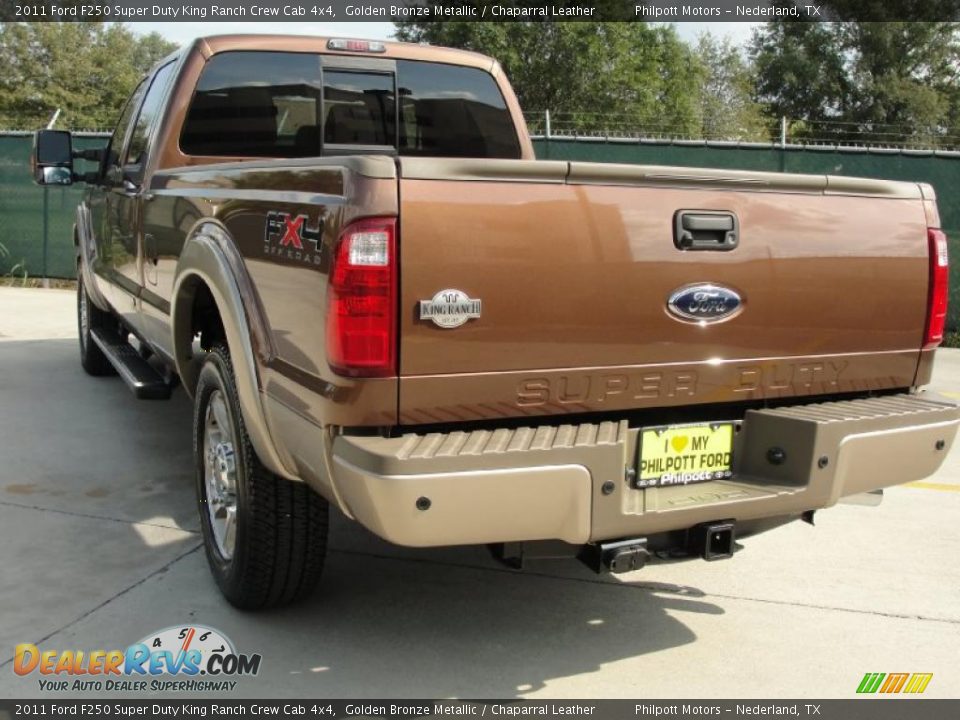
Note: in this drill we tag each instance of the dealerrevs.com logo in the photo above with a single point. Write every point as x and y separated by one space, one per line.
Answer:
183 658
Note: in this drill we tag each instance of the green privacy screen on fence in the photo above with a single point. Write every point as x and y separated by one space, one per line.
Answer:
26 217
942 170
29 214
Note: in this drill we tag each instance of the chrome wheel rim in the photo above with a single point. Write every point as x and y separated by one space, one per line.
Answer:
220 474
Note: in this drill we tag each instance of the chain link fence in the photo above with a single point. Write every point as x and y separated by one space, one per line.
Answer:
829 134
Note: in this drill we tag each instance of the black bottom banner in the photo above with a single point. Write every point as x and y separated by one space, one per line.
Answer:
876 708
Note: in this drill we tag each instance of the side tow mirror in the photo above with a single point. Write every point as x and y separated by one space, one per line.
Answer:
51 158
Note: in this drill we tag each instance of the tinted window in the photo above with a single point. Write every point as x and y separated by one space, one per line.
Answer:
453 111
250 104
122 131
255 104
148 113
358 108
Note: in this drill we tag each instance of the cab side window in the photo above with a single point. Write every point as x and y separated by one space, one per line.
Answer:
255 104
151 108
121 133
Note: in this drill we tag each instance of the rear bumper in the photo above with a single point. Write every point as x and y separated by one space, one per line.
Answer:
547 482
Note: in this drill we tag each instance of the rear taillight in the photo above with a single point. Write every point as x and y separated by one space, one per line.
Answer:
939 283
362 300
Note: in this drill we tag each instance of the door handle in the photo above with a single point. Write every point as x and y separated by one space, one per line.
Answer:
151 255
705 230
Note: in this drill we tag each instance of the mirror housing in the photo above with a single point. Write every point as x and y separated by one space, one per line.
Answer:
51 158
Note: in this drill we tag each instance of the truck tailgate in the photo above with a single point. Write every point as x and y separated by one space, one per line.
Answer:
574 265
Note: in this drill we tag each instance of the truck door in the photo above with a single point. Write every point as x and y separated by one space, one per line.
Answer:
132 198
123 253
104 207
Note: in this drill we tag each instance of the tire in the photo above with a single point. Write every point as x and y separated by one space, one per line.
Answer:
275 552
89 317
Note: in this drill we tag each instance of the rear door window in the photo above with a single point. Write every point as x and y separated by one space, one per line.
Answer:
255 104
121 132
152 104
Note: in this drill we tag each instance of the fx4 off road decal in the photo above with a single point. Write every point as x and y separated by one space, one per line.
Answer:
292 237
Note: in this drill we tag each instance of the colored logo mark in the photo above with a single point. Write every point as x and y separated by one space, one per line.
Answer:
913 683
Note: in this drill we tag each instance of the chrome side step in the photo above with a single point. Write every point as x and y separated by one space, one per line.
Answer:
139 375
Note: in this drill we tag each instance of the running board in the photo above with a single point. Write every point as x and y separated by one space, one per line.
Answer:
139 375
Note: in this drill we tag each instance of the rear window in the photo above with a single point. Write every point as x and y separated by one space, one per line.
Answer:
358 108
261 104
453 111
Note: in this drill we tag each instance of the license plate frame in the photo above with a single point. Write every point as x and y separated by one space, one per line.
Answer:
659 466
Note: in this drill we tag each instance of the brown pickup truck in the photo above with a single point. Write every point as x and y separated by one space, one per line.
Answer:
379 299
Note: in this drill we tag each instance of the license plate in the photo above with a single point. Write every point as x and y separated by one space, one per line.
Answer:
684 454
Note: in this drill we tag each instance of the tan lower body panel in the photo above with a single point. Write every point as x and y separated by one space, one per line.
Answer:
470 508
546 482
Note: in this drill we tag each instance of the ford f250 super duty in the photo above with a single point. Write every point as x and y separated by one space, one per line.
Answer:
347 254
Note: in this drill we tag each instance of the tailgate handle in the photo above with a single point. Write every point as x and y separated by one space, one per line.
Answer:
705 230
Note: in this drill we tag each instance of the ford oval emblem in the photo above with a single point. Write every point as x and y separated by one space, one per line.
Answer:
704 303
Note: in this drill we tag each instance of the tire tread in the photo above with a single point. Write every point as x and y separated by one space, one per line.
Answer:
282 556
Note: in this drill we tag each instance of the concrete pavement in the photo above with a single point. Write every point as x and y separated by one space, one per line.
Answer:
99 547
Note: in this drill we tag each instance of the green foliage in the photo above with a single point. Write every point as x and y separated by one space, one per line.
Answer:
951 339
585 70
799 70
16 271
88 70
859 81
727 107
846 81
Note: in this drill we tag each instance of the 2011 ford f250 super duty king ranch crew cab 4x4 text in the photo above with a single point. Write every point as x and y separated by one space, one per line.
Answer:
379 299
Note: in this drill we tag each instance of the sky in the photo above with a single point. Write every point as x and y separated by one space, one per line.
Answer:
182 32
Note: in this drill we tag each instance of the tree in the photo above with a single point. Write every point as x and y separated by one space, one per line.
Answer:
727 106
589 75
858 81
87 70
904 73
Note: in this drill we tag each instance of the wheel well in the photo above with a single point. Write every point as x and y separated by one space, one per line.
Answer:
195 314
205 319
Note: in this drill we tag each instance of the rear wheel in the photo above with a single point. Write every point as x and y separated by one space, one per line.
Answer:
265 536
89 317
